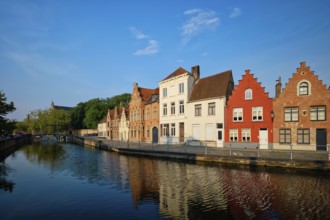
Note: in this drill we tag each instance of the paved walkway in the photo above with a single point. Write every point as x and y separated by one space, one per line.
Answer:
227 152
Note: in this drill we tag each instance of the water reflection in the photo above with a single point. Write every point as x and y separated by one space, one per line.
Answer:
184 190
5 184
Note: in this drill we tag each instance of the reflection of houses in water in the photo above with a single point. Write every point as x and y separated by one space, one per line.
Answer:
250 195
143 178
187 192
293 193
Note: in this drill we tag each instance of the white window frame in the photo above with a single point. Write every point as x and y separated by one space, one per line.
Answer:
181 107
233 135
248 94
164 92
181 88
257 113
237 114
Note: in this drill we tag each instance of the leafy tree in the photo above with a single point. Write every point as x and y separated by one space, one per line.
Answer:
77 116
6 126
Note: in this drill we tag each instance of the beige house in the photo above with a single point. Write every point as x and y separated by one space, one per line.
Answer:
174 91
124 124
102 128
205 109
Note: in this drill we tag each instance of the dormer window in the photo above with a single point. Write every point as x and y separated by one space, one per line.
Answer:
303 89
248 94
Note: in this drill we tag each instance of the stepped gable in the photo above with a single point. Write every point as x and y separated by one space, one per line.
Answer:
304 73
213 86
177 72
248 81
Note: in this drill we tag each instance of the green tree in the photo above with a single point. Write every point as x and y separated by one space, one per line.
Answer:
6 126
77 116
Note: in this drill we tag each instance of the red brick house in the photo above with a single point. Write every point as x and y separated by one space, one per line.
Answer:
300 112
249 115
143 110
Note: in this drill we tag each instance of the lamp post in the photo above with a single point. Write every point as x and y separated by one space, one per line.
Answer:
127 124
272 115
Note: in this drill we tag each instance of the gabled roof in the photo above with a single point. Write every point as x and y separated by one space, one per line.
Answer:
177 72
212 86
145 93
154 97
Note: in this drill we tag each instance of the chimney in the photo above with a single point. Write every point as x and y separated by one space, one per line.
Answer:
195 72
278 87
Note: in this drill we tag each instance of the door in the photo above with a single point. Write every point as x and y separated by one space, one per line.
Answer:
219 135
263 138
155 135
181 132
321 139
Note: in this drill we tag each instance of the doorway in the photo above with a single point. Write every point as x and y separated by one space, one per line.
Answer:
263 138
181 132
154 135
321 139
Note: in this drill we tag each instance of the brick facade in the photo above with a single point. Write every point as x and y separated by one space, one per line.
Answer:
302 112
143 104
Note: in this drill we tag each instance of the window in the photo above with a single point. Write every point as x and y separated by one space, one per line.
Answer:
209 132
212 108
164 92
147 114
317 113
246 135
164 129
198 110
285 136
237 114
291 114
173 108
303 136
138 115
181 109
173 129
181 88
148 131
248 94
164 109
303 88
233 135
154 112
257 113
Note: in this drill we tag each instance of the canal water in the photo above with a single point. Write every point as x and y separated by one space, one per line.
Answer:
72 182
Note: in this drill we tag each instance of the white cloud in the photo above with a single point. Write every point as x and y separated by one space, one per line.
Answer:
199 20
235 13
152 48
153 45
138 34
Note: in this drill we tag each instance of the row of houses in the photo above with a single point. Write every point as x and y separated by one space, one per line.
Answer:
212 111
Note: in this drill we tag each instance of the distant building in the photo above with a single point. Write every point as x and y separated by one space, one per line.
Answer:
58 107
102 127
301 112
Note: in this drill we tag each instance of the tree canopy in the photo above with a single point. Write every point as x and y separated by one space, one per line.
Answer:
84 115
6 126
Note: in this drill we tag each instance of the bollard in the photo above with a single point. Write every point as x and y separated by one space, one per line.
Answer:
258 149
230 149
328 146
168 147
291 156
205 149
127 144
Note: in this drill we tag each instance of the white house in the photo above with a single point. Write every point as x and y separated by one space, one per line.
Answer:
102 127
205 109
174 91
124 124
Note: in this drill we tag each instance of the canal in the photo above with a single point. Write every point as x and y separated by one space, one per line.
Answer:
72 182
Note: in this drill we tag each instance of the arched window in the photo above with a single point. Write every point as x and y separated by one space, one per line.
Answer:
303 88
248 94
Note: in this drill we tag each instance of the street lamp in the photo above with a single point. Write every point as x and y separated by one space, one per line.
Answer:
272 115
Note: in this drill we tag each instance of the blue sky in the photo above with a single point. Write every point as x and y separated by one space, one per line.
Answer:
71 51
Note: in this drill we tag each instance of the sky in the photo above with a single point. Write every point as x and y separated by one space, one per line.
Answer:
71 51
